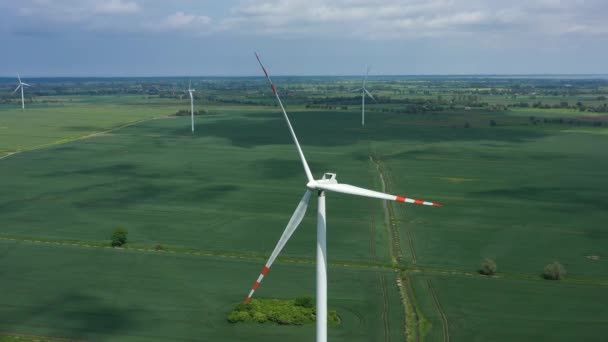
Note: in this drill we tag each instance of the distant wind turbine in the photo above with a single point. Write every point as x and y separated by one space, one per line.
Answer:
363 92
328 183
21 86
190 91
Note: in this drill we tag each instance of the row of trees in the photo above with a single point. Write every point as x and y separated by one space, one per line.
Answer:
553 271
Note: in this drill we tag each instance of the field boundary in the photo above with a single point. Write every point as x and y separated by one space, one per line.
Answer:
191 252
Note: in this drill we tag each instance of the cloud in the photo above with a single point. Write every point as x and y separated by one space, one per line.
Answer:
75 10
117 7
183 21
320 19
407 19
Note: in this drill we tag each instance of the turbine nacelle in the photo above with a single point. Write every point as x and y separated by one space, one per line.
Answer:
328 178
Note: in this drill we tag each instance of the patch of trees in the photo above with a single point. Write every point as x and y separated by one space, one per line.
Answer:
119 236
581 107
554 271
488 267
184 112
572 122
285 312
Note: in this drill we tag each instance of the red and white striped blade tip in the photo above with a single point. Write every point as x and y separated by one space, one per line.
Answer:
257 283
415 201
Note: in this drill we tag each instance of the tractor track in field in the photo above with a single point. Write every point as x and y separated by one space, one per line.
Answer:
372 239
385 309
444 319
81 137
396 255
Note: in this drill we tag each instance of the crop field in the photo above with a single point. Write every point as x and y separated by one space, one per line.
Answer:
61 119
86 293
204 210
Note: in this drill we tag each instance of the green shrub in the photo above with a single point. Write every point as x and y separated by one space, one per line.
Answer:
333 318
119 236
285 312
259 317
488 267
554 271
305 302
239 316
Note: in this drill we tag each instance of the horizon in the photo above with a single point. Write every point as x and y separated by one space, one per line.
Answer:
531 75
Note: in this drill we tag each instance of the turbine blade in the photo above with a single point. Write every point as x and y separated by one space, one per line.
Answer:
353 190
19 86
293 134
355 90
292 225
370 95
366 75
19 77
25 84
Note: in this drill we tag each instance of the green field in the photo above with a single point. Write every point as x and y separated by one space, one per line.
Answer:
218 200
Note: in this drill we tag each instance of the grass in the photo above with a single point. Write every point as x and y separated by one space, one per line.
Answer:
45 124
489 309
156 179
526 203
123 295
521 195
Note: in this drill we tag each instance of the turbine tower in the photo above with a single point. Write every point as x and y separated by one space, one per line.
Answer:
327 183
190 91
21 86
363 92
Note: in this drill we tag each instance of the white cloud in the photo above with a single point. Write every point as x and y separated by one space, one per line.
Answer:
116 7
183 21
75 10
338 19
405 19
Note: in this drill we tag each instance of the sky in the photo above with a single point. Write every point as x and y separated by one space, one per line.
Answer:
302 37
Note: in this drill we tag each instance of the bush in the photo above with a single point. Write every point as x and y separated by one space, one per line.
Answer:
305 302
159 247
119 236
259 317
488 267
284 312
239 316
554 271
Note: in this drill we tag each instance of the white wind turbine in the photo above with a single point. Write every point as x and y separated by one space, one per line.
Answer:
21 86
363 92
190 91
327 183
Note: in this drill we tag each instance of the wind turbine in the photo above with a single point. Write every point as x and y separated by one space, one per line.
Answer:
21 86
327 183
363 92
190 91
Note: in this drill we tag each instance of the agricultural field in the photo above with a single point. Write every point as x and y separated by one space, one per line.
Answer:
520 184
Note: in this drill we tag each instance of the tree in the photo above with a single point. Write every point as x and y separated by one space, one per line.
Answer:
488 267
554 271
492 123
119 236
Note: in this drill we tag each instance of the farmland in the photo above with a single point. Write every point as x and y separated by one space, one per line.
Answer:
518 186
